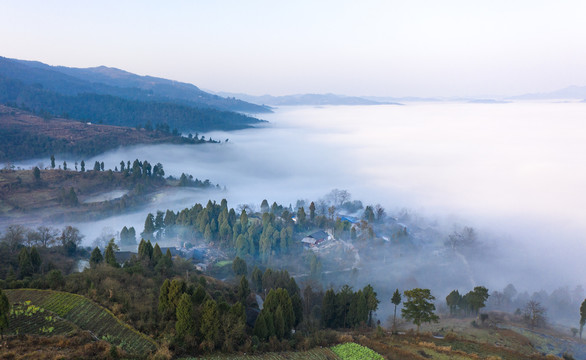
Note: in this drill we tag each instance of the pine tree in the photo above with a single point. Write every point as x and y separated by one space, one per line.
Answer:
256 277
419 307
210 327
184 314
243 290
396 300
52 161
82 166
164 299
260 327
149 227
582 316
35 259
96 257
157 253
25 265
109 254
279 322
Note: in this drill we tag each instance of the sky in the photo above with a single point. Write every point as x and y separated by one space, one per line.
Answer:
376 48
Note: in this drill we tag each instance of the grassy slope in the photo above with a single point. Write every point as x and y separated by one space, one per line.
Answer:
87 315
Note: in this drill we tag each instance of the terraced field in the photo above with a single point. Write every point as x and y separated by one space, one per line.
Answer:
87 315
313 354
26 318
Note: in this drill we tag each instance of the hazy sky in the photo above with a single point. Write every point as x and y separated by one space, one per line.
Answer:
387 48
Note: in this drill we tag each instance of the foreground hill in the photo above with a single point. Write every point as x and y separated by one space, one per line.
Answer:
86 315
24 136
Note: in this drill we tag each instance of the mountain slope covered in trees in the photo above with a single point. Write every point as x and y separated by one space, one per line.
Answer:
42 89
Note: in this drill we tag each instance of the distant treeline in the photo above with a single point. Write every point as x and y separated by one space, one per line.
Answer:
114 110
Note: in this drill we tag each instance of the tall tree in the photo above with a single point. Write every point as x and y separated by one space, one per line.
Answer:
149 227
239 266
109 254
371 301
4 313
96 257
243 290
35 259
82 166
25 265
419 307
52 161
184 314
453 300
582 316
210 327
396 300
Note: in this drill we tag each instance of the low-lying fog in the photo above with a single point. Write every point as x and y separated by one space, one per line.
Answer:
515 172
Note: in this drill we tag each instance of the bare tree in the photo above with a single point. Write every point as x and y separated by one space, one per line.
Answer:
14 236
47 236
534 314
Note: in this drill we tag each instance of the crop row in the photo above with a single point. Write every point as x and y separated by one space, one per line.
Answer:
87 315
314 354
41 322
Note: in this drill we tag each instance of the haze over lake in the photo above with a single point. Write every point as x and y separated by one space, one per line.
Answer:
515 171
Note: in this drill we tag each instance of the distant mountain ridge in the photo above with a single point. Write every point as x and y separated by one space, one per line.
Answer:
116 97
307 99
570 92
112 81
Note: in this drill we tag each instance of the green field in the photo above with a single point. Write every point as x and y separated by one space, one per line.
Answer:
84 314
313 354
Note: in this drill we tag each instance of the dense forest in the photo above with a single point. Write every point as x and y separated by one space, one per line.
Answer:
114 110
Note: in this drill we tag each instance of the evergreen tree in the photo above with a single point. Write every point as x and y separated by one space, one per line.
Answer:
243 290
149 227
210 327
65 165
371 301
260 327
396 300
52 161
97 166
239 266
264 206
35 259
96 257
582 316
243 220
256 277
329 309
453 300
109 254
419 307
279 323
4 313
82 166
157 253
164 299
184 314
312 211
25 265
